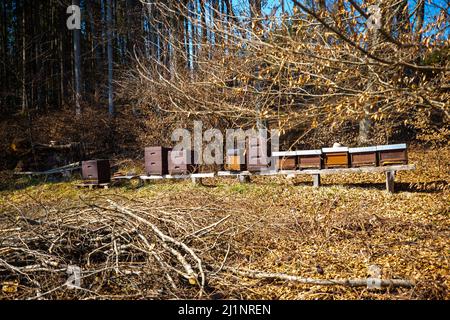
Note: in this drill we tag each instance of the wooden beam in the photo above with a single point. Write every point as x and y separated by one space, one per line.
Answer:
390 177
316 180
342 170
244 179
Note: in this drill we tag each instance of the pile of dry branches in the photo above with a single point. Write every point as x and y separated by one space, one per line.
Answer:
141 249
118 247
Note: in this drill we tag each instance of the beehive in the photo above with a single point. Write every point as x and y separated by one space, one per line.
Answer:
96 171
392 154
363 157
156 160
285 160
335 157
234 161
310 159
257 156
182 162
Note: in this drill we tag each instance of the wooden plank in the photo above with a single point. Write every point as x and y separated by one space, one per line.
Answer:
187 176
390 178
233 174
92 186
321 171
151 177
125 177
357 170
204 175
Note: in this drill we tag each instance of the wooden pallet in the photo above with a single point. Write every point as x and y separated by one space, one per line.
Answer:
92 186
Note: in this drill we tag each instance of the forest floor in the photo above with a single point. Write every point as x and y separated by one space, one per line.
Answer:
271 225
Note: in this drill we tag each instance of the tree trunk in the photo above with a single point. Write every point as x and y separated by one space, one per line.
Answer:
24 62
420 18
95 49
110 58
77 65
365 124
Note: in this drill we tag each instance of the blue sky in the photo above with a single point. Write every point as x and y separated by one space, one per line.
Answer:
431 9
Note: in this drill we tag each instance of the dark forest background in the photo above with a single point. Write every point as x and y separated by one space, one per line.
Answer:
309 68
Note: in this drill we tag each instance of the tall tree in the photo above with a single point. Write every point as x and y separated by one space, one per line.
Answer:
77 64
109 31
24 60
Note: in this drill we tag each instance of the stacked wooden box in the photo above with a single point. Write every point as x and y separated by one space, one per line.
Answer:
96 171
257 154
182 162
156 160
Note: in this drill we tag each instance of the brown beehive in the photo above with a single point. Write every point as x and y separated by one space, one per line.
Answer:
363 157
234 160
392 154
156 160
182 162
285 160
96 171
257 156
336 157
310 159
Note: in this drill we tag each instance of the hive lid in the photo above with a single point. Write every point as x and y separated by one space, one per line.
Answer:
391 147
284 154
362 149
234 152
296 153
308 152
332 150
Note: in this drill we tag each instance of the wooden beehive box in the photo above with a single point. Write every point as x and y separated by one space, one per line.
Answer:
285 160
335 157
363 157
234 160
157 160
180 164
257 156
392 154
96 171
310 159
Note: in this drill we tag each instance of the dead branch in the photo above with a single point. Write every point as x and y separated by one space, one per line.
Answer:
321 282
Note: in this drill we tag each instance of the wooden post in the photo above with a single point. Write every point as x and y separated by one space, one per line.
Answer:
244 179
390 177
316 180
196 181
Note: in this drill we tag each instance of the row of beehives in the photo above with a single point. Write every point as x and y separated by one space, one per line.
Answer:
162 161
342 157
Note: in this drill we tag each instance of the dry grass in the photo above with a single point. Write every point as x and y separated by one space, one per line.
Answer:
274 226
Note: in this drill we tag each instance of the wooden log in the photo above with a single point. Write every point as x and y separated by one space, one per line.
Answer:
368 282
